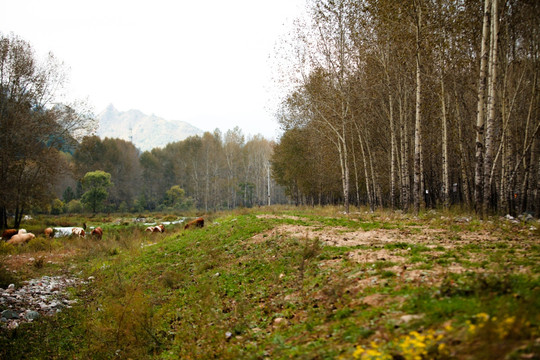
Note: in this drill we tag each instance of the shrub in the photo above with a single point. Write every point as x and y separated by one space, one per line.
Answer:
39 244
74 206
57 207
6 277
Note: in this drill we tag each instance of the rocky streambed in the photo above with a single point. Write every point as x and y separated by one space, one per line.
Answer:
45 296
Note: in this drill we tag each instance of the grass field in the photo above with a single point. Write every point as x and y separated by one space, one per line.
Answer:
281 283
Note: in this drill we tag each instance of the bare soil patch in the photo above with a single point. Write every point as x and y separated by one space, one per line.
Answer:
334 236
368 256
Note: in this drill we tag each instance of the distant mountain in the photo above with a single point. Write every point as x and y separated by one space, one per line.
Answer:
145 131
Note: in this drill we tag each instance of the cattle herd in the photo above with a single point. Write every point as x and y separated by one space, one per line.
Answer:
21 236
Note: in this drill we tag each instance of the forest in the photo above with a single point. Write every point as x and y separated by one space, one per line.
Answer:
412 104
210 172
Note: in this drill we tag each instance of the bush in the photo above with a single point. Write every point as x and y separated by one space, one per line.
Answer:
57 207
6 277
39 244
6 249
74 207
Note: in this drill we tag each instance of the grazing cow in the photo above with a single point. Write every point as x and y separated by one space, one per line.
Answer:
97 232
197 223
158 228
78 231
49 232
8 233
18 239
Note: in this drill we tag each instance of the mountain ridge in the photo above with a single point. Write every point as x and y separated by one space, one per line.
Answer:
145 131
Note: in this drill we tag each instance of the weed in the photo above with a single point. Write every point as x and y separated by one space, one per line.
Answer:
398 245
39 262
387 274
7 277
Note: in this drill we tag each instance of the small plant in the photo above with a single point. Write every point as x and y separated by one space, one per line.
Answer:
39 262
7 277
388 274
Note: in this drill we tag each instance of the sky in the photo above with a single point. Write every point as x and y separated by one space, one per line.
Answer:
207 62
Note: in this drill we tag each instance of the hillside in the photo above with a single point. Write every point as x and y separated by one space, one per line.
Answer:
281 283
145 131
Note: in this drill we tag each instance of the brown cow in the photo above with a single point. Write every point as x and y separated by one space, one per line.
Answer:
49 232
197 223
156 229
97 232
8 233
78 231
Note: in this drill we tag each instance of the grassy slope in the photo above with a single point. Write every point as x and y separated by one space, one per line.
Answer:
238 289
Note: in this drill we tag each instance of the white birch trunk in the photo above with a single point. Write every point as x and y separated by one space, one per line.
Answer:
445 172
405 177
478 173
490 123
417 188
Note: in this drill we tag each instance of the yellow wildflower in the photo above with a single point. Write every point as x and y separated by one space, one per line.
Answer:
482 317
443 349
504 328
472 327
358 352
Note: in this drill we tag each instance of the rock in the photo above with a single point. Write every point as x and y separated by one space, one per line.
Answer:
10 314
32 315
280 321
228 335
35 298
407 318
13 325
509 217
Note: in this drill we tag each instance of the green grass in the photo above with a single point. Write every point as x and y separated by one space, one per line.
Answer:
216 292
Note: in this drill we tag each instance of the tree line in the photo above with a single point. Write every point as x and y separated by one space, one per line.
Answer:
411 104
211 172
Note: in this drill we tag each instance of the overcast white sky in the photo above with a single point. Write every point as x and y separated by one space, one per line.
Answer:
204 62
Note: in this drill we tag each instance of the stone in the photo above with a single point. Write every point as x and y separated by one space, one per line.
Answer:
10 314
37 297
407 318
32 315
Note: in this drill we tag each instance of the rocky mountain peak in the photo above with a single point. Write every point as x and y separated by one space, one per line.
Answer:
145 131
